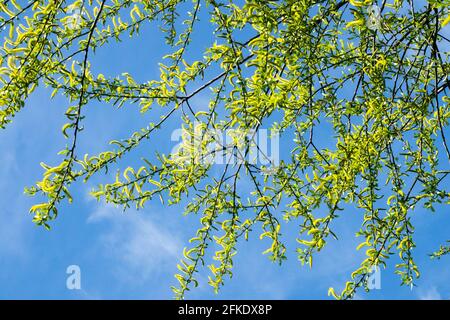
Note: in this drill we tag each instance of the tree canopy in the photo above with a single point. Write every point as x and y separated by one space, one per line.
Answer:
374 72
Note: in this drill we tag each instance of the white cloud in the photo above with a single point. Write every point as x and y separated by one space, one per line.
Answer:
143 246
429 294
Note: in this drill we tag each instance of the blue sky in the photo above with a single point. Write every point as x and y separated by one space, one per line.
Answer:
133 255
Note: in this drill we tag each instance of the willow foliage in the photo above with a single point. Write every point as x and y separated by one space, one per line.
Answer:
376 71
